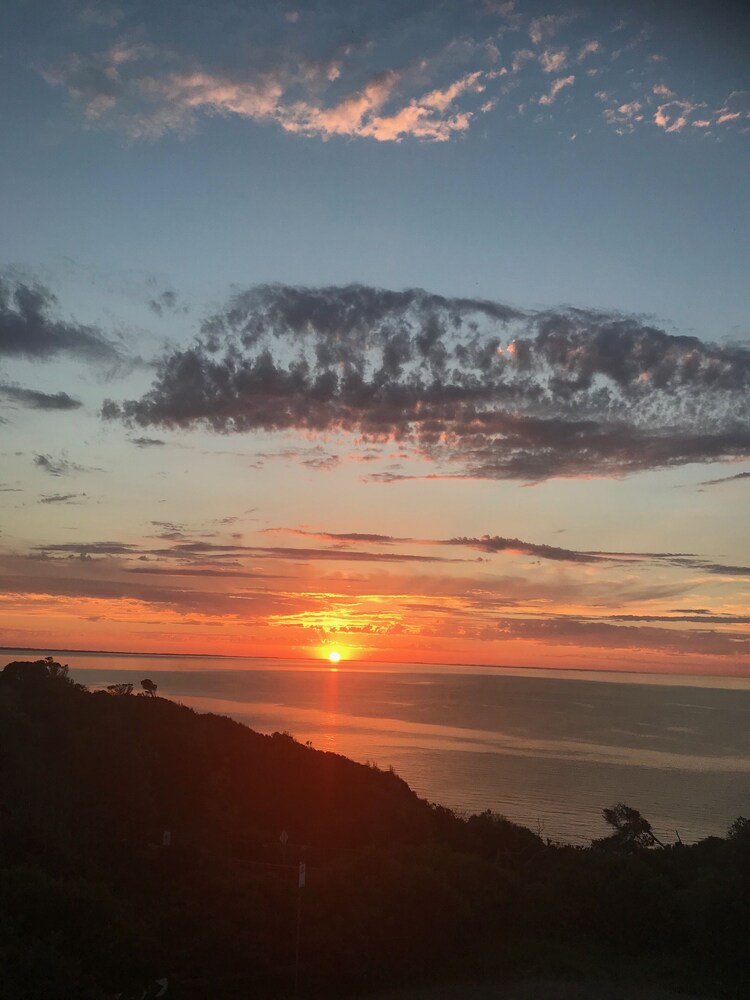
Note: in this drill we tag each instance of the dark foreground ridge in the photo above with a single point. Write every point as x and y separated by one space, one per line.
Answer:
142 841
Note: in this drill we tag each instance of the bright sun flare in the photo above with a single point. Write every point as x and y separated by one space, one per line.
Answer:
334 656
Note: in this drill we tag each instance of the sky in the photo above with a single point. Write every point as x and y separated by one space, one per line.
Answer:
413 332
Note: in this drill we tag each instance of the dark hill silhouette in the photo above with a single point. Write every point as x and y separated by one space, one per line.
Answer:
117 768
96 902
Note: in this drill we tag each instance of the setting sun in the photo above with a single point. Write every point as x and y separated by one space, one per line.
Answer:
334 656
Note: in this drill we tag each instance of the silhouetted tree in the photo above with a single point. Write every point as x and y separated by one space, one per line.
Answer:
149 687
631 830
739 831
120 688
37 670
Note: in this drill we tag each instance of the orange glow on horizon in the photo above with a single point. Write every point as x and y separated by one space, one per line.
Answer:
334 656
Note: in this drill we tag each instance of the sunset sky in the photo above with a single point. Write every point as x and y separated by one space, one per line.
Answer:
415 331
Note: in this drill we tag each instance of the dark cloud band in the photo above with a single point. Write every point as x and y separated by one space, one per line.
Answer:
483 389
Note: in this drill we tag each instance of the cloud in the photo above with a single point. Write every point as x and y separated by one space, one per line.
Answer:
60 466
312 458
477 388
495 543
148 91
543 28
490 544
29 328
59 582
90 548
166 301
673 116
73 498
554 90
699 617
147 442
625 117
553 60
200 571
98 13
725 479
335 554
39 400
521 57
191 551
504 8
661 107
588 49
407 76
577 631
345 537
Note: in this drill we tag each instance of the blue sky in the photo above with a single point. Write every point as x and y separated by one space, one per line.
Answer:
178 168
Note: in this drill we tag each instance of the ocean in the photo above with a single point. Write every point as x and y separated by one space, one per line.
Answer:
548 749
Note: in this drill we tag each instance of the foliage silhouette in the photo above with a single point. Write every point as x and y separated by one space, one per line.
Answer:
631 830
398 890
149 688
120 689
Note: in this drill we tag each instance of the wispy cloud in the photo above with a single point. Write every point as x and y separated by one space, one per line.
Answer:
60 466
192 551
147 442
725 479
541 29
66 498
580 631
315 457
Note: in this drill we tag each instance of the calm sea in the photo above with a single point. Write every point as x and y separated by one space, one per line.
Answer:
548 749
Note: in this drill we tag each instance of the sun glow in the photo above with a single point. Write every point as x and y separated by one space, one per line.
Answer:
334 656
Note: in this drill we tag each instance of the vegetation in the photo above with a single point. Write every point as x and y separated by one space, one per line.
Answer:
96 902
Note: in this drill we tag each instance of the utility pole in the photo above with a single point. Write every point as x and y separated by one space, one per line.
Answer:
301 874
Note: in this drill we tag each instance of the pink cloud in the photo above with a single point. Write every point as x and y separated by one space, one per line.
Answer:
588 49
541 28
674 115
521 57
557 86
553 60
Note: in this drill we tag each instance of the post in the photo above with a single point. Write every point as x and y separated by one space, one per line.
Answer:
300 886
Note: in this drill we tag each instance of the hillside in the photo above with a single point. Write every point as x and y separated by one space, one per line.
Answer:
96 902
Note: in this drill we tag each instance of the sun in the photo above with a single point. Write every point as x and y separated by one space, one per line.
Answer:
334 656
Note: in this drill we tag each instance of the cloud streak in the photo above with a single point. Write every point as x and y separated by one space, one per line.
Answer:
36 400
479 388
574 631
725 479
60 466
198 550
29 327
